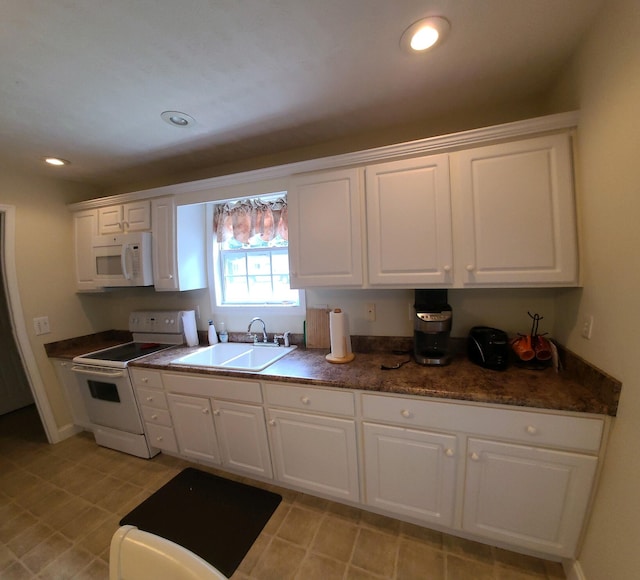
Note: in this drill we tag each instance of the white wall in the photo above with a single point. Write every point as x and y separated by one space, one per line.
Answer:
605 79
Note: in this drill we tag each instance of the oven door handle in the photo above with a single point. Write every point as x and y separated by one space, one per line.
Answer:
99 373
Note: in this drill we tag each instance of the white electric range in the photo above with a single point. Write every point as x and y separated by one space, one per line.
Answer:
106 387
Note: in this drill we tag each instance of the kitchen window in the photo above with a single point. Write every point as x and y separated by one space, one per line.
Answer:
250 254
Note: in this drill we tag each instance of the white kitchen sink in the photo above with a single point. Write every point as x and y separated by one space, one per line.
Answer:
234 356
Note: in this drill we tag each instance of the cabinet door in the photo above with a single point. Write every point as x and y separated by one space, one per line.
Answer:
164 247
409 237
69 381
137 216
410 472
527 496
315 453
325 237
193 425
243 437
517 213
85 225
110 220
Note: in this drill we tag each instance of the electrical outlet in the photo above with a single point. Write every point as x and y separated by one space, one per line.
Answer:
371 312
587 326
41 325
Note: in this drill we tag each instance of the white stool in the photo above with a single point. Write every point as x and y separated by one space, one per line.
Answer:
138 555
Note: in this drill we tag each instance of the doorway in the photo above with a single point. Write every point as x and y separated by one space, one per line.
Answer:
20 381
15 390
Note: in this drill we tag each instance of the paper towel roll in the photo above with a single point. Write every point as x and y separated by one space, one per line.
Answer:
189 327
340 338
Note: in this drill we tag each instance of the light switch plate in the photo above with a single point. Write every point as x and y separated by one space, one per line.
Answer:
41 325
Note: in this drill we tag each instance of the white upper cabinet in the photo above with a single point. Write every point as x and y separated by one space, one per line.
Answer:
514 214
325 237
85 227
179 245
409 240
128 217
493 216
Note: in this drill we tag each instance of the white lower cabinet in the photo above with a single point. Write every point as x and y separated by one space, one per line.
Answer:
69 381
212 429
153 404
410 472
519 478
523 478
243 437
531 497
311 450
193 424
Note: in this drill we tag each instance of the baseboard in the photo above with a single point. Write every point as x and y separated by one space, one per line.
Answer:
68 430
573 570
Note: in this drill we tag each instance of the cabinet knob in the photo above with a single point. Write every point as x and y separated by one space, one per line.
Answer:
470 268
305 400
154 417
145 379
217 412
159 438
449 452
205 411
531 429
170 276
474 456
272 422
150 399
446 268
405 413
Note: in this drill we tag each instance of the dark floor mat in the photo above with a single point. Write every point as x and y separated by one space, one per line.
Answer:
216 518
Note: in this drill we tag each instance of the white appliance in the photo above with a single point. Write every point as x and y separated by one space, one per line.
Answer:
123 259
106 387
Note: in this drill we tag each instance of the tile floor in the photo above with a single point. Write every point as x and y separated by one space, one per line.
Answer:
60 504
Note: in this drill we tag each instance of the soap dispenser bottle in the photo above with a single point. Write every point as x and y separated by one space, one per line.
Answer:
224 335
213 337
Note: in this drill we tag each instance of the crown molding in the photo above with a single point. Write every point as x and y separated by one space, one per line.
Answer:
429 145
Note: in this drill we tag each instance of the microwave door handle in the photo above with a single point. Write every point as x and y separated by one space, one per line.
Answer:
123 258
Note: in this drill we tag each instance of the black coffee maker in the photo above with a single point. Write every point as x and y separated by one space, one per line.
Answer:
431 328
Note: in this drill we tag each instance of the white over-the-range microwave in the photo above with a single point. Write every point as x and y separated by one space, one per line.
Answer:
123 259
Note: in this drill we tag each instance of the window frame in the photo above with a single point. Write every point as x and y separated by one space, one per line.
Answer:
214 272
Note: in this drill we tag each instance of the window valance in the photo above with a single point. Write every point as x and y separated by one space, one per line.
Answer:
252 222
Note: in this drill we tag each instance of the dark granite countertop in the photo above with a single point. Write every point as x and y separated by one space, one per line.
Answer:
580 387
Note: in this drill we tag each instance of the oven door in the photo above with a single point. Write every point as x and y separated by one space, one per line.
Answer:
108 397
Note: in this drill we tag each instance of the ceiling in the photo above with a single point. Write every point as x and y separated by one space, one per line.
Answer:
87 80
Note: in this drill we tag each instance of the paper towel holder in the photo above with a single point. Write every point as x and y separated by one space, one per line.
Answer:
346 344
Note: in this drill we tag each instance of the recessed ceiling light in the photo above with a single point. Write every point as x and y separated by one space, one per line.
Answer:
178 119
56 161
424 34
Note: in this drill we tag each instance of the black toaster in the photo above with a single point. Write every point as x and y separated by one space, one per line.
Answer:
488 347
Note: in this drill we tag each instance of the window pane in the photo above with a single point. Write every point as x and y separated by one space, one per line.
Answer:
280 263
256 276
235 264
258 263
235 290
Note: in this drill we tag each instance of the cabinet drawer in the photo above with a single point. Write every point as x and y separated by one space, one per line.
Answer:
530 427
152 398
310 399
146 378
162 437
208 386
156 416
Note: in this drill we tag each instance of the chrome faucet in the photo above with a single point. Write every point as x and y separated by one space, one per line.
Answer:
264 330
